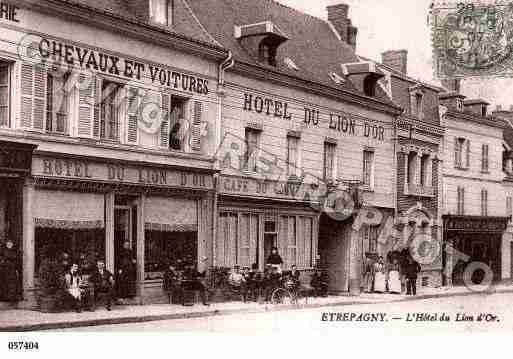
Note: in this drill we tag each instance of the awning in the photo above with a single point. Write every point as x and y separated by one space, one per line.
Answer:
68 210
171 214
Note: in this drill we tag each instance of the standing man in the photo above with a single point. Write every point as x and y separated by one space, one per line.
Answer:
126 273
412 270
103 283
9 273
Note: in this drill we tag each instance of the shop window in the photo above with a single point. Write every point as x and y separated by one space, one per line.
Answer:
163 248
5 93
111 96
368 168
460 201
178 124
81 245
484 202
57 102
292 156
238 239
329 160
484 158
252 138
161 12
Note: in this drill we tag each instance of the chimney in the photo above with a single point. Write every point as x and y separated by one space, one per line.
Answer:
396 59
452 85
338 17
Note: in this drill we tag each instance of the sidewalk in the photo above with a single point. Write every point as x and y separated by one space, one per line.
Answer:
27 320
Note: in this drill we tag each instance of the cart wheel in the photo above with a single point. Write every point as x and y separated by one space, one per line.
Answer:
281 296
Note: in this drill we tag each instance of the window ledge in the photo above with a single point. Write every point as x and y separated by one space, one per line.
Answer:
461 168
419 191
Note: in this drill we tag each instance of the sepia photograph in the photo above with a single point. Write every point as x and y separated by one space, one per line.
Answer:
180 170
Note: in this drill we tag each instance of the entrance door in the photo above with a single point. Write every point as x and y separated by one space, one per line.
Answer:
270 237
123 230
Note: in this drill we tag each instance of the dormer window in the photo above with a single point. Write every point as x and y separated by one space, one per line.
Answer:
161 12
267 53
419 104
459 104
369 86
483 111
417 101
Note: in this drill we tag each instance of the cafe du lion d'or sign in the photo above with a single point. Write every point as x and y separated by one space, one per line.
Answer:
74 169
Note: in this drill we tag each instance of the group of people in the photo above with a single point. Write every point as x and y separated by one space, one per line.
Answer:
398 275
181 279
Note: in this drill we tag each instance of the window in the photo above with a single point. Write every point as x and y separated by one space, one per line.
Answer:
509 206
461 153
484 202
484 158
161 11
292 156
460 201
267 53
5 93
368 168
412 167
369 86
329 160
424 170
164 247
110 110
252 137
57 102
459 104
177 123
483 111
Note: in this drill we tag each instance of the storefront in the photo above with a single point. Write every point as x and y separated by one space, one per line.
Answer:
470 240
254 217
15 166
89 207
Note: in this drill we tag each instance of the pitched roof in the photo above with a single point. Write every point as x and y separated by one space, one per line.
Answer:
185 22
312 44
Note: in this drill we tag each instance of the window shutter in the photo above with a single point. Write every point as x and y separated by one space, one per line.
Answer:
33 96
462 201
197 114
87 105
456 151
133 110
164 126
468 154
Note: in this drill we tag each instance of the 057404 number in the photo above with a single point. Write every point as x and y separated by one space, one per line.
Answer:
23 345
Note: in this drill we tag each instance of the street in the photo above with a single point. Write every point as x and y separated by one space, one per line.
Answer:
475 313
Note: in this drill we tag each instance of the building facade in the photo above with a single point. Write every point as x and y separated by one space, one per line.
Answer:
302 125
474 212
110 114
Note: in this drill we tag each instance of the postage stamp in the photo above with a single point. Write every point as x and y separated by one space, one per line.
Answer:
472 39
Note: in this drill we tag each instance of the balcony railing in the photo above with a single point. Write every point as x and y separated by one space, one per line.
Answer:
418 190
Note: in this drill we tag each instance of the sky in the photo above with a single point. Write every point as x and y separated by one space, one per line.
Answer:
403 24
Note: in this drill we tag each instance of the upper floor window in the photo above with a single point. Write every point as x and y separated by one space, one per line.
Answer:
292 156
484 158
460 201
369 86
161 11
424 170
252 138
484 202
5 93
459 104
461 152
58 97
509 206
329 160
411 167
419 101
110 110
178 124
368 168
483 111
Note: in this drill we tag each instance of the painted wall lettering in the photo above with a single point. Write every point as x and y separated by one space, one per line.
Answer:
311 116
342 124
266 106
9 12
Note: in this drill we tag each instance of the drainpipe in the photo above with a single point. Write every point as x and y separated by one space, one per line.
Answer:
223 67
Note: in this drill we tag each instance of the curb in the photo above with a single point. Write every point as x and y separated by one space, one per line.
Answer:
217 312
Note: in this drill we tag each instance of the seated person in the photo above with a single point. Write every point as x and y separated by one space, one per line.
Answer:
103 282
73 288
194 281
172 283
294 273
237 282
272 279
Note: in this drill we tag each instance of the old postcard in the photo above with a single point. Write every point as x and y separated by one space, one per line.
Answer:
253 167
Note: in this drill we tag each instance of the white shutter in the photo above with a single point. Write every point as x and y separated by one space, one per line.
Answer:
134 101
33 96
88 110
164 126
197 113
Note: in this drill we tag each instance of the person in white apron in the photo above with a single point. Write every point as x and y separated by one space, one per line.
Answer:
380 280
394 280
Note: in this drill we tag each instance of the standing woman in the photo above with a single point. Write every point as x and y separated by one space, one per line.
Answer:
10 273
380 281
394 281
368 278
